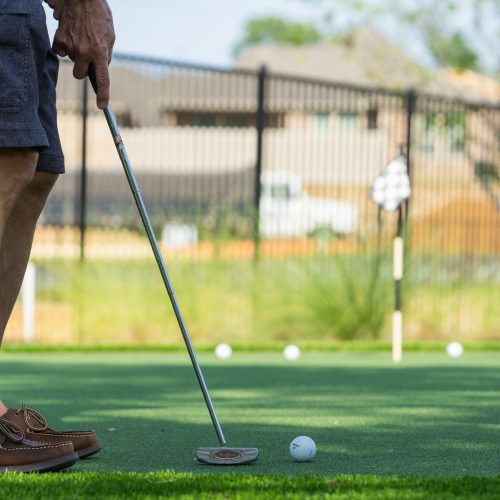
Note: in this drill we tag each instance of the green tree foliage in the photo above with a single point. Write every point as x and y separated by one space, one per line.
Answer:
452 50
450 30
272 30
462 34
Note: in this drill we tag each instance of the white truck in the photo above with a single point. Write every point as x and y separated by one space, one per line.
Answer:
287 211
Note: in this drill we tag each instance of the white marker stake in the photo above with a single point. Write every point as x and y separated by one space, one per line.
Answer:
28 297
397 317
397 336
398 258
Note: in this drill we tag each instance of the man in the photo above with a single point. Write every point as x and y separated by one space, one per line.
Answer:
30 161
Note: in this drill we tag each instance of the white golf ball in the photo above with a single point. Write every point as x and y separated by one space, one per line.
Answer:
223 351
391 180
303 448
378 196
379 184
454 350
404 192
391 193
391 205
396 167
291 353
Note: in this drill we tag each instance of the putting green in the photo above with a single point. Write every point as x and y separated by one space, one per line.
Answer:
430 416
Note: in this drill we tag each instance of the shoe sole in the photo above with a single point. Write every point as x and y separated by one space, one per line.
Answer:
54 465
87 452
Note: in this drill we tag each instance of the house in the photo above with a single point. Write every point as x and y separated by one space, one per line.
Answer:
182 119
363 58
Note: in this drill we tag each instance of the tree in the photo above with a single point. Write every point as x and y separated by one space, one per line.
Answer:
461 34
272 30
452 51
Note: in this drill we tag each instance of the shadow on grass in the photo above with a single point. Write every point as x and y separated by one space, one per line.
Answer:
418 420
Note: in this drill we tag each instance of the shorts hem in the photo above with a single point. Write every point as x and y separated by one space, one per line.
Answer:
24 139
52 164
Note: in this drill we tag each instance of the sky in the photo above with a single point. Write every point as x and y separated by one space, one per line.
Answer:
201 31
206 31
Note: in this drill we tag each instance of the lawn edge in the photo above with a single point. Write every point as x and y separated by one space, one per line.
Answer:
490 346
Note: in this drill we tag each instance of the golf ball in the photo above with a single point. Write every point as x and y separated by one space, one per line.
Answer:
223 351
454 350
291 353
303 449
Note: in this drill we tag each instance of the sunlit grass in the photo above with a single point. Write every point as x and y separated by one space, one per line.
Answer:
169 484
322 299
426 428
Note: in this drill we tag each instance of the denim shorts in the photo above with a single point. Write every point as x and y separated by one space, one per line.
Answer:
28 78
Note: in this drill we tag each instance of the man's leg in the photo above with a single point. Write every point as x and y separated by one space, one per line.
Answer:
17 172
14 254
17 239
17 168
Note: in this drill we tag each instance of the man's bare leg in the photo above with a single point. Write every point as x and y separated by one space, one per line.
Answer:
17 241
17 171
17 168
14 254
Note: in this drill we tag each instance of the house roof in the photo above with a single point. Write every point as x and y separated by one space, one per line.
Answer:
366 58
468 85
363 58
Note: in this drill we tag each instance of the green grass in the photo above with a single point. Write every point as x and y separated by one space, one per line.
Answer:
170 484
305 300
427 428
311 299
269 347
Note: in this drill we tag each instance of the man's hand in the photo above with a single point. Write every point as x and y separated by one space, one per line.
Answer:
87 36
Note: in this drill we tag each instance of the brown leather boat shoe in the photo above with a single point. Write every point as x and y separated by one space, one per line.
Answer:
18 454
34 426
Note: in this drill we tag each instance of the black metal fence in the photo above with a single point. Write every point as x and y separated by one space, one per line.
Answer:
239 164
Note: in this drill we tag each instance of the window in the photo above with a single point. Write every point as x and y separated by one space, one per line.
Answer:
124 119
428 133
203 120
280 192
372 117
322 120
446 130
349 119
192 119
237 120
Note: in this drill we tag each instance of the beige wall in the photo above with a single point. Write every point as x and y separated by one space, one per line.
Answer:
330 155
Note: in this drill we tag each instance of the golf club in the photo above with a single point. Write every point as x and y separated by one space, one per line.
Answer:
222 455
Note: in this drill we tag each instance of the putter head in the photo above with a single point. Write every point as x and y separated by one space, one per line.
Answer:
227 456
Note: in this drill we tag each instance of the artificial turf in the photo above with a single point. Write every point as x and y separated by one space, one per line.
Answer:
430 419
230 486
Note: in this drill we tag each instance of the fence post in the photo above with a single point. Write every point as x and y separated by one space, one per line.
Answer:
83 183
400 242
411 100
260 125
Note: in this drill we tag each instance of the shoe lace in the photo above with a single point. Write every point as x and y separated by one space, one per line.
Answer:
33 420
12 431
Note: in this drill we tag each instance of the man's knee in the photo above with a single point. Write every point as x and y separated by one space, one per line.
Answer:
17 170
37 191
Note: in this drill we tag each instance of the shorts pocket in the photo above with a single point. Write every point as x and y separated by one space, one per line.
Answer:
14 53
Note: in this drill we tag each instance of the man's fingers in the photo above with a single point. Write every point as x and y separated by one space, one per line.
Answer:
81 69
103 82
87 36
59 44
61 52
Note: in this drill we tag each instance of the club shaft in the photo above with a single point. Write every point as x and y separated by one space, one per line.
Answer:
134 186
